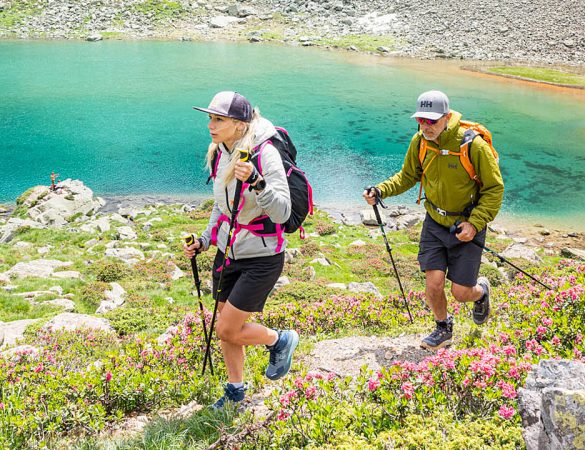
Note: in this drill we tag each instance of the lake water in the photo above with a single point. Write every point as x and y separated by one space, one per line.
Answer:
118 116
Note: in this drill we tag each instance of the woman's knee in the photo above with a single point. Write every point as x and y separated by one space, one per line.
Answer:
225 332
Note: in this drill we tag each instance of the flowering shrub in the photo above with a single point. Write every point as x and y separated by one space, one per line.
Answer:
471 385
83 379
337 312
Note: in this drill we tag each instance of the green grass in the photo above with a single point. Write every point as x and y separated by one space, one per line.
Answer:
163 10
17 12
362 42
541 74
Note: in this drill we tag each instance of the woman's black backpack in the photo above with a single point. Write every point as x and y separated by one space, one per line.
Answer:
301 192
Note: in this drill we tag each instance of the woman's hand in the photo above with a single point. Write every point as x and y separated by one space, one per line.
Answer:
191 250
243 170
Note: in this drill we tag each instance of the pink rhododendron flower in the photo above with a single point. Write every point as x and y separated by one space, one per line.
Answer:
408 390
283 415
108 376
310 392
2 406
578 339
547 321
510 350
508 390
555 340
506 412
514 373
373 384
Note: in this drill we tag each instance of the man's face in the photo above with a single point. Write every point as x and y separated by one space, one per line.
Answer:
432 131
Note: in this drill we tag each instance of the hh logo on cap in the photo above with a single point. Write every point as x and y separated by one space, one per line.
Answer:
426 104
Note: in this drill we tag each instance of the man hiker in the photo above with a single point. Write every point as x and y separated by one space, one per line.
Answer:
462 189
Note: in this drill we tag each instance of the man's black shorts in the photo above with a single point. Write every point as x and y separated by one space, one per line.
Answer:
247 282
441 250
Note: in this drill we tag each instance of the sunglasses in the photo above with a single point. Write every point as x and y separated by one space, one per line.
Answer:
422 120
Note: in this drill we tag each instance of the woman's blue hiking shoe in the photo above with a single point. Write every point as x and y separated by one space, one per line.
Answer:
281 354
231 394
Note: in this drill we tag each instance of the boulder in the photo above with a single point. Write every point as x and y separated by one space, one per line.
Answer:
221 21
126 233
521 251
71 321
574 253
552 405
127 254
365 287
368 217
41 268
9 230
55 207
65 303
11 332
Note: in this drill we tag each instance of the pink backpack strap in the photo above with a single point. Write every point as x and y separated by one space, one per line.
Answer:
258 153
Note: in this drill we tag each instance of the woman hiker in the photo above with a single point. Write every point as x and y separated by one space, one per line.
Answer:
256 251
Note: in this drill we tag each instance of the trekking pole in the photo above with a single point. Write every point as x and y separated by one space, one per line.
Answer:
388 248
456 228
244 154
189 240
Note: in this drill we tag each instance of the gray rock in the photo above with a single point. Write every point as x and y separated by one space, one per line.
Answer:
41 268
72 321
574 253
14 331
368 287
282 281
521 251
94 37
337 286
552 405
322 261
126 254
221 21
368 217
65 303
9 230
126 233
116 294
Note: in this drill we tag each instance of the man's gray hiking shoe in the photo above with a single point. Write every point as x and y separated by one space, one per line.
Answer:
481 308
281 354
231 395
440 337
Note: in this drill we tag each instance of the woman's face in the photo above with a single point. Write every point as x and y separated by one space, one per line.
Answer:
223 129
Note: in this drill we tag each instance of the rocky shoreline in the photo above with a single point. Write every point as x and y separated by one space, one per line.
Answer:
534 32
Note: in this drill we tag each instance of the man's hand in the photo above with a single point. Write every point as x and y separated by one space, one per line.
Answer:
370 195
466 232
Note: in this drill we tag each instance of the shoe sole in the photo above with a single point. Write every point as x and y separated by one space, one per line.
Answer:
487 316
446 343
291 350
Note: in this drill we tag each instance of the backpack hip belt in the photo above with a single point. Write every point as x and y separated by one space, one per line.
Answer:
260 226
465 213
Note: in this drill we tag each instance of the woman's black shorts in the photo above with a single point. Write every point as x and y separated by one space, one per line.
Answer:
441 250
247 282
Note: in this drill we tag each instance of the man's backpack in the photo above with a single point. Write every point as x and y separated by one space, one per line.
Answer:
472 130
301 192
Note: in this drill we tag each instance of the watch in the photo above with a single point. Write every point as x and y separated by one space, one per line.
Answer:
259 187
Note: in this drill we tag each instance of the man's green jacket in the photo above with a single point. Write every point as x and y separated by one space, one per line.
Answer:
446 183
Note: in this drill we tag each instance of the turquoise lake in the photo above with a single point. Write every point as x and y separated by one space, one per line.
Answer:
118 115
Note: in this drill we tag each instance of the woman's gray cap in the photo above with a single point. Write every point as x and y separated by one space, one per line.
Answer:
229 104
431 105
